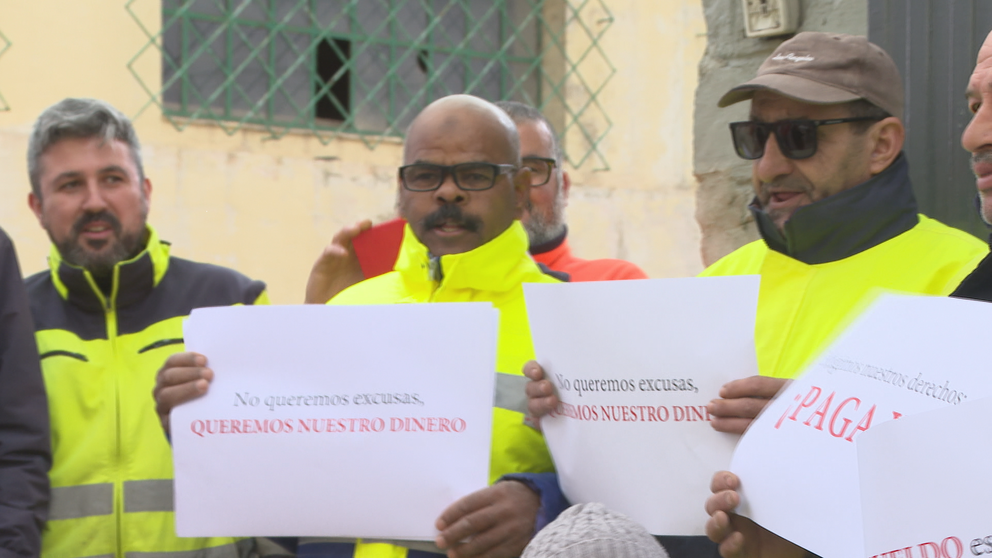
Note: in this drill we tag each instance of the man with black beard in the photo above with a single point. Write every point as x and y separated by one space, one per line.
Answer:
107 314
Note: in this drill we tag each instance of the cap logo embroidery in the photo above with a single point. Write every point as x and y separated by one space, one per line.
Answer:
793 57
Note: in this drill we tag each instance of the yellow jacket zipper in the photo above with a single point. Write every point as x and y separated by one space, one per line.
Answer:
110 310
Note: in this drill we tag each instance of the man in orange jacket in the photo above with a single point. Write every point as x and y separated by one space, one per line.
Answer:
545 215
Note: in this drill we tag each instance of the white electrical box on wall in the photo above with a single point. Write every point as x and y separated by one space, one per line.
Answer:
767 18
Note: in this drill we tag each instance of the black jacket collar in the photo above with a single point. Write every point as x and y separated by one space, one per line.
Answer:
549 245
846 223
132 279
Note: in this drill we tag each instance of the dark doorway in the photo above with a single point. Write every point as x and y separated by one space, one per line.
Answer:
334 103
934 43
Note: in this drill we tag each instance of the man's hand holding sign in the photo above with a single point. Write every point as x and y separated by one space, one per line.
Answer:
624 395
362 446
460 191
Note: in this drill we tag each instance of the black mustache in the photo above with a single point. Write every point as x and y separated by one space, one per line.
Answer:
104 216
453 214
984 156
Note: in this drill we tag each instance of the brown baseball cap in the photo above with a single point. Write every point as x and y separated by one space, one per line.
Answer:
827 68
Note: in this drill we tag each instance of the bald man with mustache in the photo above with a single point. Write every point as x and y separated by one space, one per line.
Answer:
462 190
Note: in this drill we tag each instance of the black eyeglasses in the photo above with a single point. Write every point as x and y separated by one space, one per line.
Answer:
540 169
424 177
796 138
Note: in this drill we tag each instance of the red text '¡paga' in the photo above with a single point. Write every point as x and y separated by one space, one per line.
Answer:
832 414
210 427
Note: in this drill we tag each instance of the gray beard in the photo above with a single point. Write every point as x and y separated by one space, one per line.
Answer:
541 230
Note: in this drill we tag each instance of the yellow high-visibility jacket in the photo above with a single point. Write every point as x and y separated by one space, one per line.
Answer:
112 465
494 272
800 305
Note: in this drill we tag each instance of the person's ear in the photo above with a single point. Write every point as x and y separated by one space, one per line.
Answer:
566 186
34 202
521 189
886 140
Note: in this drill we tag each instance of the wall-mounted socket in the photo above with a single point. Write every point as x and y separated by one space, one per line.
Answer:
768 18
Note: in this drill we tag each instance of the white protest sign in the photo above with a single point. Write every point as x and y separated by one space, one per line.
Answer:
350 421
798 462
924 484
636 363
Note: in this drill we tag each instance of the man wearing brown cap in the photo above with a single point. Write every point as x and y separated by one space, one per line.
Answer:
838 220
738 536
833 204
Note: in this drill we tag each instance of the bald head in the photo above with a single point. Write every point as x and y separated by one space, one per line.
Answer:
977 137
458 113
480 141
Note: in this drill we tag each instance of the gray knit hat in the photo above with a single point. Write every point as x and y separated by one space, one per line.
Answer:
592 531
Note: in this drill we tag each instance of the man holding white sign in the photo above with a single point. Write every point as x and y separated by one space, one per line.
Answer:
833 204
461 190
834 207
106 313
738 536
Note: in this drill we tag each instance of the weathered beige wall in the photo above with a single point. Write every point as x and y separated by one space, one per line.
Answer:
267 207
641 209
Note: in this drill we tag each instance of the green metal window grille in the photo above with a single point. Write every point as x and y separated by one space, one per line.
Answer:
367 67
4 47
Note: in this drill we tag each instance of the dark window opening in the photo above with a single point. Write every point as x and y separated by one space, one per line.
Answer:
334 102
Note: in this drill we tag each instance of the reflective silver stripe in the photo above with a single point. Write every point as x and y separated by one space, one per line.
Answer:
510 394
236 550
148 496
84 500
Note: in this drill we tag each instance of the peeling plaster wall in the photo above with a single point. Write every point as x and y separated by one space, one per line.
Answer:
267 207
730 59
641 207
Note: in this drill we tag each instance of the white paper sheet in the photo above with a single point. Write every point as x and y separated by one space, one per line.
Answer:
924 483
378 418
635 363
798 463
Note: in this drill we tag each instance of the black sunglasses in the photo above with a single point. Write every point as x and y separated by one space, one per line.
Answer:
796 138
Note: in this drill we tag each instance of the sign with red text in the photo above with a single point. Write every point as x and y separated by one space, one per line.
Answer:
635 364
336 421
798 462
924 487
